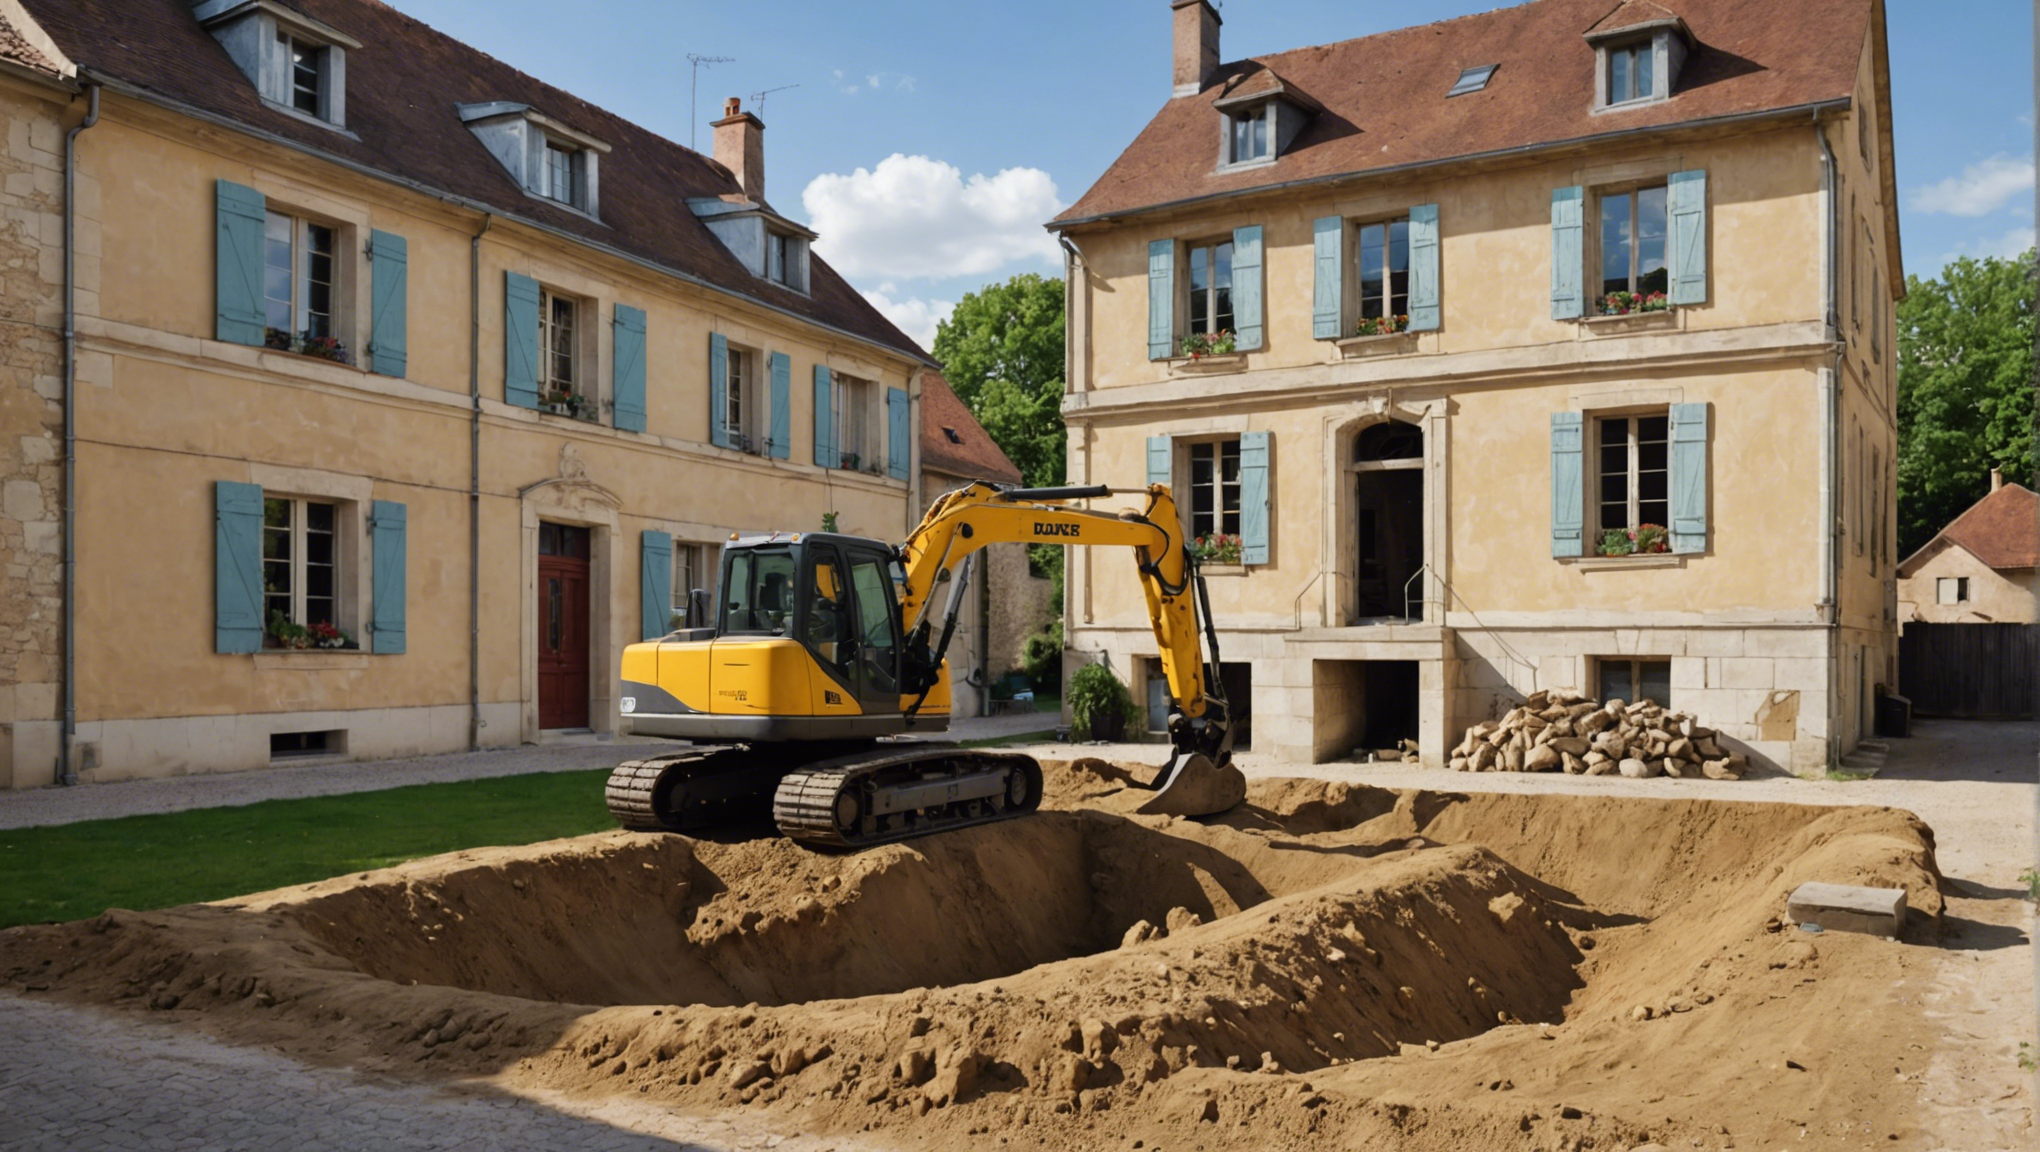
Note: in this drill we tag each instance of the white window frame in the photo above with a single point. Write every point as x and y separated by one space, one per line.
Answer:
1633 451
1359 232
1191 250
1596 264
694 566
1951 589
295 535
854 399
786 259
743 396
578 381
1643 49
301 276
1237 123
575 162
289 44
1199 524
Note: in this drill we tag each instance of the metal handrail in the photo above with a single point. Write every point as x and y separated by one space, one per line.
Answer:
1414 577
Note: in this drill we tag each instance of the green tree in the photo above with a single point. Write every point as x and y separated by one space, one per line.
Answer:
1965 389
1002 350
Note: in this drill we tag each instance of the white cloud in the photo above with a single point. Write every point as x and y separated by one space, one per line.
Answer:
2012 243
873 81
1983 187
910 216
917 318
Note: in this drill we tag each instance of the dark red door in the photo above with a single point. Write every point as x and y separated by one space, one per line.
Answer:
562 626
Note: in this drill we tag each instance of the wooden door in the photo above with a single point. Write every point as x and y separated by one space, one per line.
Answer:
562 626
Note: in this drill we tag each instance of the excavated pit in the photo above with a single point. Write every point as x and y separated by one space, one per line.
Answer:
1080 962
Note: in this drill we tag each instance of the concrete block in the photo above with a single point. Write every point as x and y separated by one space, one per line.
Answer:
1806 673
1848 908
1746 672
1714 642
1689 674
1802 642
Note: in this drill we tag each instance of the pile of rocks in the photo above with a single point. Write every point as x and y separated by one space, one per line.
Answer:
1557 731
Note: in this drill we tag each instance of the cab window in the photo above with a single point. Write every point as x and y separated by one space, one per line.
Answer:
758 596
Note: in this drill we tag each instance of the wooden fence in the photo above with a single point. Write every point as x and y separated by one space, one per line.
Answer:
1975 670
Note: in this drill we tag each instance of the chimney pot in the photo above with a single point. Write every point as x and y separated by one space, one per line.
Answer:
1997 479
1196 44
740 147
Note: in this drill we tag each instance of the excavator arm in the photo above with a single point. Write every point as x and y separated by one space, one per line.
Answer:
1199 777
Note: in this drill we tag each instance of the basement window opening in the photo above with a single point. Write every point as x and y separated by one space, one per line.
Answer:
296 745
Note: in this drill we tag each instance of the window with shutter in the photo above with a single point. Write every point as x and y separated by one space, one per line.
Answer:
627 367
389 304
655 583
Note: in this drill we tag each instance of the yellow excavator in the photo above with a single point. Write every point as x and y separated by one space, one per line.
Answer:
826 648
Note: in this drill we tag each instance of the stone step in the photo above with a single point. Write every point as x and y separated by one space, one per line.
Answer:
1848 908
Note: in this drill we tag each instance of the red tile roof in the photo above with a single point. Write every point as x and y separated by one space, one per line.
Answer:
1386 108
954 443
15 49
2002 529
402 86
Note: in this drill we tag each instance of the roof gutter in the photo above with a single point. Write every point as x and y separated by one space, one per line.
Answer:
66 773
1797 111
123 88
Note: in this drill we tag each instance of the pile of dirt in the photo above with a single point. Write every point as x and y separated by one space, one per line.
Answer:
1557 731
1328 963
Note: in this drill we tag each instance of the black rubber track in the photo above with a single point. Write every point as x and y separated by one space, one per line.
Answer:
806 807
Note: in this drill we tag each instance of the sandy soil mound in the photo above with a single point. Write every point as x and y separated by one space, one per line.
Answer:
1328 965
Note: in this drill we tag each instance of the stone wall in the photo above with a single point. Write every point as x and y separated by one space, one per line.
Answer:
31 432
1020 606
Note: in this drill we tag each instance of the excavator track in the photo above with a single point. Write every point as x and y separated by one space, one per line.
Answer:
691 791
896 792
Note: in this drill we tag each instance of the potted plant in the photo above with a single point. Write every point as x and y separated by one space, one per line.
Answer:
1099 702
1616 542
1381 325
1217 548
306 344
1198 345
1628 303
1640 540
850 461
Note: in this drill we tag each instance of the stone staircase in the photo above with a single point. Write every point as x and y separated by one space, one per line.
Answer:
1867 756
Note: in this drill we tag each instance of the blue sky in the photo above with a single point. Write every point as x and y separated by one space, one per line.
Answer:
928 140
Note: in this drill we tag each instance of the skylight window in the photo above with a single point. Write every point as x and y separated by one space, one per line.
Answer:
1472 80
951 434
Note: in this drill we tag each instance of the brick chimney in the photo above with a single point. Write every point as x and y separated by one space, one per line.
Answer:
1196 44
1997 479
740 147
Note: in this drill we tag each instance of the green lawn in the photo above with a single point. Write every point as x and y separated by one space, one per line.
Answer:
72 871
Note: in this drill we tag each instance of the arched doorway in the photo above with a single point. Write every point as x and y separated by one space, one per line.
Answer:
1388 532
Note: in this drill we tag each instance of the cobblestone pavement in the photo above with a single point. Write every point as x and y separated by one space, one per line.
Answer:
79 1080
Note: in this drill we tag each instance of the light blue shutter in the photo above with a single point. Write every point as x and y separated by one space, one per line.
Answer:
1424 312
655 583
1246 287
899 429
237 567
386 522
1689 478
1328 282
1161 299
520 340
389 304
1686 207
627 366
1568 256
1568 503
826 455
781 445
1161 460
1256 460
718 389
237 257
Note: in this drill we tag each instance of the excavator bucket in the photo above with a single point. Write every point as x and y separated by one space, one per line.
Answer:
1192 785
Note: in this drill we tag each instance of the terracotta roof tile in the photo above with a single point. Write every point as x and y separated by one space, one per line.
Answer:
402 86
954 443
15 49
1385 103
2001 529
1633 14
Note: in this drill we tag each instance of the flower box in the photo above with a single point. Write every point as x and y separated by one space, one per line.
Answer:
1198 345
1642 540
1631 303
1216 549
1381 325
306 344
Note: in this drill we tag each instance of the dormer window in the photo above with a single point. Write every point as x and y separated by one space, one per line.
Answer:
1251 134
548 159
1639 48
297 64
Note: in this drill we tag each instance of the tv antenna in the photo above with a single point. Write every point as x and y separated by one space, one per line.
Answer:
758 98
696 59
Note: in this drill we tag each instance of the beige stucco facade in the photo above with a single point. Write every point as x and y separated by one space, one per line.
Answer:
1976 592
1776 632
164 412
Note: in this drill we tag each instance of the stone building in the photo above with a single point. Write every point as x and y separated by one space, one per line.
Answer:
1549 347
1983 568
1007 601
408 389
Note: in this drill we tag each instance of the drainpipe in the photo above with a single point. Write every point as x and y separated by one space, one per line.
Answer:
475 483
65 773
1831 419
